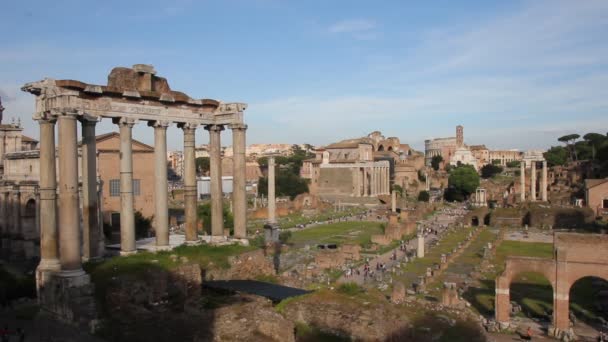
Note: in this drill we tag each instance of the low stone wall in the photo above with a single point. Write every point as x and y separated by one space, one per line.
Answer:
244 266
560 217
337 257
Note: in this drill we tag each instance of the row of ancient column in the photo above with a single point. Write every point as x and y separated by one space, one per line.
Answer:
62 250
371 181
543 183
10 211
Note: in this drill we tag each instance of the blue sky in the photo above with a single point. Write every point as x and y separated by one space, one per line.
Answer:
516 74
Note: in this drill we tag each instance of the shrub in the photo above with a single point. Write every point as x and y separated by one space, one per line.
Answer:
424 196
350 289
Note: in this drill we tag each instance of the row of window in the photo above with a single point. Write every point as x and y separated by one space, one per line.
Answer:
115 187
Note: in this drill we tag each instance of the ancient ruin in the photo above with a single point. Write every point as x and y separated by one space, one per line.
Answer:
131 95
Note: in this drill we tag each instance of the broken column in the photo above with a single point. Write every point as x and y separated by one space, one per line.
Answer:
543 182
420 250
271 228
394 201
522 180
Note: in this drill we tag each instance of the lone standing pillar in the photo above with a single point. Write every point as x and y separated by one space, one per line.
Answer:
239 191
420 249
91 233
533 182
394 201
161 215
215 161
271 197
543 182
522 180
127 216
69 223
190 183
49 247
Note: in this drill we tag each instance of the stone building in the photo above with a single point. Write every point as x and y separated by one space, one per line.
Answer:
464 156
176 162
502 157
347 168
596 195
444 147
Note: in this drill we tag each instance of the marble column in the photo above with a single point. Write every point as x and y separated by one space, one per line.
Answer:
365 185
190 193
127 212
373 182
239 178
387 181
420 249
394 201
271 194
215 161
16 204
522 180
533 182
49 246
543 182
69 219
91 232
161 188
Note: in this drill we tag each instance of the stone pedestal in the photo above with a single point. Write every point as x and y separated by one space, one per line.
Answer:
271 232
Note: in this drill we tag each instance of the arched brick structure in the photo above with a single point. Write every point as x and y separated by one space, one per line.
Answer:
575 256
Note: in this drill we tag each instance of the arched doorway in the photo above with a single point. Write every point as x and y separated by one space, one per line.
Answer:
486 220
588 304
30 208
474 221
380 148
532 293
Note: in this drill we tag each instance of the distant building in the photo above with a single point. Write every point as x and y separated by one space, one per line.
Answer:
444 147
596 195
203 186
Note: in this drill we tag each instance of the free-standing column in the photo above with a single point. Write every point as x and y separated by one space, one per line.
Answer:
161 213
271 195
190 183
394 201
215 161
90 230
239 175
522 180
543 182
49 247
69 223
127 218
533 182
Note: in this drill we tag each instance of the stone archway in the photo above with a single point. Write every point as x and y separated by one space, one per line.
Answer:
475 221
575 256
589 299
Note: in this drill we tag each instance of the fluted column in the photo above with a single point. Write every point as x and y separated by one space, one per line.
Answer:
49 246
91 232
533 182
522 180
161 205
239 178
543 182
127 213
190 192
271 191
373 182
215 161
69 220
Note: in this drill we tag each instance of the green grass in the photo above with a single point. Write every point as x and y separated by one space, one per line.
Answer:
356 232
518 248
350 289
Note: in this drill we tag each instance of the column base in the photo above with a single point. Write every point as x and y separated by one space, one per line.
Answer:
192 242
127 253
72 273
162 248
49 265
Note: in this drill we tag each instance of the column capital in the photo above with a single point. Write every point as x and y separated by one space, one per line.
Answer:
214 128
238 126
124 122
45 119
187 126
87 120
159 124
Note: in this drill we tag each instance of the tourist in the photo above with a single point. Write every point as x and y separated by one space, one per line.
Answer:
529 334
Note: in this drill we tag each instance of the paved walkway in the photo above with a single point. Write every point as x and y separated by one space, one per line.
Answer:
439 222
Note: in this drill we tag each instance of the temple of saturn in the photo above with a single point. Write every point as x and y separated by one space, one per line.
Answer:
131 95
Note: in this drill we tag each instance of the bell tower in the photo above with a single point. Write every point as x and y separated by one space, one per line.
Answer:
459 136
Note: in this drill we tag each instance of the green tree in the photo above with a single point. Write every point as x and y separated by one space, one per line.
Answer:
436 162
556 155
569 140
287 184
202 165
143 225
398 189
203 212
462 182
424 196
514 163
490 170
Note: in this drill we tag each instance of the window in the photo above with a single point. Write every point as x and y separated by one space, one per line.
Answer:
605 204
115 187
